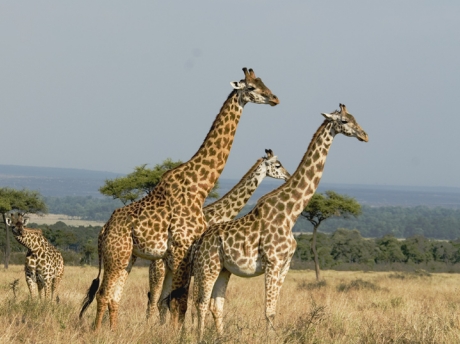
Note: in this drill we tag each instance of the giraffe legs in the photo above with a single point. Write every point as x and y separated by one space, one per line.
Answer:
162 302
109 295
218 298
31 277
181 274
111 290
274 278
157 281
203 287
178 303
209 281
55 284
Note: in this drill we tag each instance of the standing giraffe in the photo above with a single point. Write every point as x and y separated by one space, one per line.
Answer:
44 264
164 224
262 241
224 209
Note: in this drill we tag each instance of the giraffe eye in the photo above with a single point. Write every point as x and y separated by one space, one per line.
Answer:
251 88
344 121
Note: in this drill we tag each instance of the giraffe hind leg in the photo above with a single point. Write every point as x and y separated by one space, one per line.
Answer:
109 295
218 298
156 279
162 305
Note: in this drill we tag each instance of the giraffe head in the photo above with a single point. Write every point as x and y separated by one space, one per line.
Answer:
26 236
344 123
252 89
273 167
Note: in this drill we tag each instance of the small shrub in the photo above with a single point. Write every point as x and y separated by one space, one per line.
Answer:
358 284
302 330
312 285
416 273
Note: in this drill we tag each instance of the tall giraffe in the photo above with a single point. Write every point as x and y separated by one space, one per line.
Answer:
262 241
224 209
163 224
44 265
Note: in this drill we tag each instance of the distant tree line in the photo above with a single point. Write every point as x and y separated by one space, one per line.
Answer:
401 222
348 247
84 207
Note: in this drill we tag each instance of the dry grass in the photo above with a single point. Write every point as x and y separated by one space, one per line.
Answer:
351 307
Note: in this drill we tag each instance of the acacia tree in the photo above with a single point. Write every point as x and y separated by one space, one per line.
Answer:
321 207
22 201
140 182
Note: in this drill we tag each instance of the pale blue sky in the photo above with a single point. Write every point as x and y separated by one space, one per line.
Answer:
108 85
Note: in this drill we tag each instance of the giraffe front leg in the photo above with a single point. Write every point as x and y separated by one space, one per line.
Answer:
41 285
218 298
156 278
274 277
56 283
31 280
47 289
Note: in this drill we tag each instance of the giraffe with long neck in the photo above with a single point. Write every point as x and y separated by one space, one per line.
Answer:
164 224
262 241
44 266
224 209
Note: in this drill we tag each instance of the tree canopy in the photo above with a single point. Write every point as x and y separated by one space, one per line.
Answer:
321 207
23 201
141 181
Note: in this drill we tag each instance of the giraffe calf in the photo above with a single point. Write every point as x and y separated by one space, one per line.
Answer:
44 265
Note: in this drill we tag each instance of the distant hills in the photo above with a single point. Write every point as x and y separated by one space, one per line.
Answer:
57 182
61 182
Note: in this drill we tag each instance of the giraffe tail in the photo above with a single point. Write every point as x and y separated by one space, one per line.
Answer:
89 296
91 293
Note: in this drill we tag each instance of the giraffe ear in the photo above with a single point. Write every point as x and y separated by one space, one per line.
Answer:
327 115
8 222
237 85
26 221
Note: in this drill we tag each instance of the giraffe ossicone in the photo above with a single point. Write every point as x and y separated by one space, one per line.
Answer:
165 223
44 266
262 242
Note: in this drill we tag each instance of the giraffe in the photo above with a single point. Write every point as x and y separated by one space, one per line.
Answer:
44 265
224 209
262 241
163 224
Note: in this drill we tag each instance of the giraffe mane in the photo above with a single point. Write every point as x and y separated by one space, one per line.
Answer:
214 124
313 140
251 170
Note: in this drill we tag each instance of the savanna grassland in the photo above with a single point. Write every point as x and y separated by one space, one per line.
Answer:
349 307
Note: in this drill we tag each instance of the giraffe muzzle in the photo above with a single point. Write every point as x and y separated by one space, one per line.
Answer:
274 101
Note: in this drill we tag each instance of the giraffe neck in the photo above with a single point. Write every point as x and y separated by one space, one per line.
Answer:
227 207
205 167
33 240
293 196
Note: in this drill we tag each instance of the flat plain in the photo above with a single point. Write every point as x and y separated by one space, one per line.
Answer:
347 307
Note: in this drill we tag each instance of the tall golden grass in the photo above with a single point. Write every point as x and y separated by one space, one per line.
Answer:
348 307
